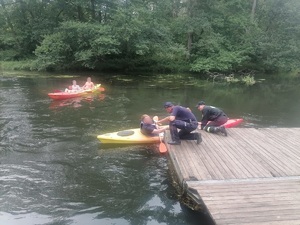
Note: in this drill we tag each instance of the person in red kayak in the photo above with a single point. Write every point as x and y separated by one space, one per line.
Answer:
74 88
212 118
149 127
88 84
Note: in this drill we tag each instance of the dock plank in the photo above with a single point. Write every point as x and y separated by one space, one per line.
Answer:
241 155
234 202
226 168
270 158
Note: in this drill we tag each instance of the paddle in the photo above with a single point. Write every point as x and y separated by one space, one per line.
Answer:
162 147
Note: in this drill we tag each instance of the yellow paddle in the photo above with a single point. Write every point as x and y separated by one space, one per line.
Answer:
162 147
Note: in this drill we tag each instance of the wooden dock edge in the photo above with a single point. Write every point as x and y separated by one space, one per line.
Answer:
187 196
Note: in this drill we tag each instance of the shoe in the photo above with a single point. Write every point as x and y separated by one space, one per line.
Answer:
223 131
174 142
198 138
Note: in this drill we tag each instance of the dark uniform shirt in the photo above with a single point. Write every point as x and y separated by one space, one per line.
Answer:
182 113
210 113
147 129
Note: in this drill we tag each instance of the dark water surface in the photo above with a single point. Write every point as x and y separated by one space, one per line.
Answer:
53 170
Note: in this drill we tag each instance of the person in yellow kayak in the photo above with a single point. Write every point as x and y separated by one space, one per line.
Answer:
149 127
74 88
88 84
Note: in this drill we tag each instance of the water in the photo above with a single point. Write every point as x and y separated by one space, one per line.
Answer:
53 170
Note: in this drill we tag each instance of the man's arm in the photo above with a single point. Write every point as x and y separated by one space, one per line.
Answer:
159 130
167 119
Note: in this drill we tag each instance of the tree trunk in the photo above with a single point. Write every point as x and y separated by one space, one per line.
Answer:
253 10
175 8
23 11
80 13
7 16
10 25
190 5
93 13
189 44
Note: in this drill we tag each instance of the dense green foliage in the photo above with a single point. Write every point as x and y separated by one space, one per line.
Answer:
201 36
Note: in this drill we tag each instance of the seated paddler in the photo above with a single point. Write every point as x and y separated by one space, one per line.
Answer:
149 127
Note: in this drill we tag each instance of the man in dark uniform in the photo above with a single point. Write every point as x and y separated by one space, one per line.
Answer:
212 118
183 119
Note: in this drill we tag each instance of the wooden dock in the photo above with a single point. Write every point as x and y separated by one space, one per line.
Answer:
250 177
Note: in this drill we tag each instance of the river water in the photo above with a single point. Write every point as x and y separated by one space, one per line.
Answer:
53 170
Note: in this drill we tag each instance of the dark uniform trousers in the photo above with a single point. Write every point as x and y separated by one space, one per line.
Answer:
213 126
185 130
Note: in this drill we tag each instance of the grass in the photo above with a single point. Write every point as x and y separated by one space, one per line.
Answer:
16 65
27 66
288 76
248 80
24 69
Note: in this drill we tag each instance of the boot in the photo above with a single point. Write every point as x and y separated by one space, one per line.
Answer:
198 138
223 130
174 142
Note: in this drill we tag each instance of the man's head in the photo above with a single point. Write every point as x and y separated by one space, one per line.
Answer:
200 105
146 119
74 82
168 106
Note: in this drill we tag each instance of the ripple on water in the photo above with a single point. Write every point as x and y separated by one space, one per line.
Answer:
23 218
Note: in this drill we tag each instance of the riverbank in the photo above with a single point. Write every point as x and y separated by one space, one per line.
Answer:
26 68
23 65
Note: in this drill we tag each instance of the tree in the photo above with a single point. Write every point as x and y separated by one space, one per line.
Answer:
277 43
76 44
192 35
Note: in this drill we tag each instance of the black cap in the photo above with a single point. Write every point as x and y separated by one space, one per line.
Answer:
168 104
200 103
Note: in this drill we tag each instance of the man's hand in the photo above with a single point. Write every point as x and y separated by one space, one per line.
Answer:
155 120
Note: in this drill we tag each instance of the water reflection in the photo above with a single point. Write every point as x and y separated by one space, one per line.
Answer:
77 101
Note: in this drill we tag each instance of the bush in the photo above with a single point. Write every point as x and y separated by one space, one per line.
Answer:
248 80
75 44
17 65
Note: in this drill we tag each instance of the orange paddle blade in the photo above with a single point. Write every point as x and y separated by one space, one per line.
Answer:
162 147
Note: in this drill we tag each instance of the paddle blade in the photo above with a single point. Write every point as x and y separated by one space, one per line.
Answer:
162 147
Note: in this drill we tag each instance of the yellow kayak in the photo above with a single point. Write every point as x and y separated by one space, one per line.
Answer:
131 136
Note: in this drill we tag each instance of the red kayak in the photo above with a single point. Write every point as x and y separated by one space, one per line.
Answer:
231 123
67 95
